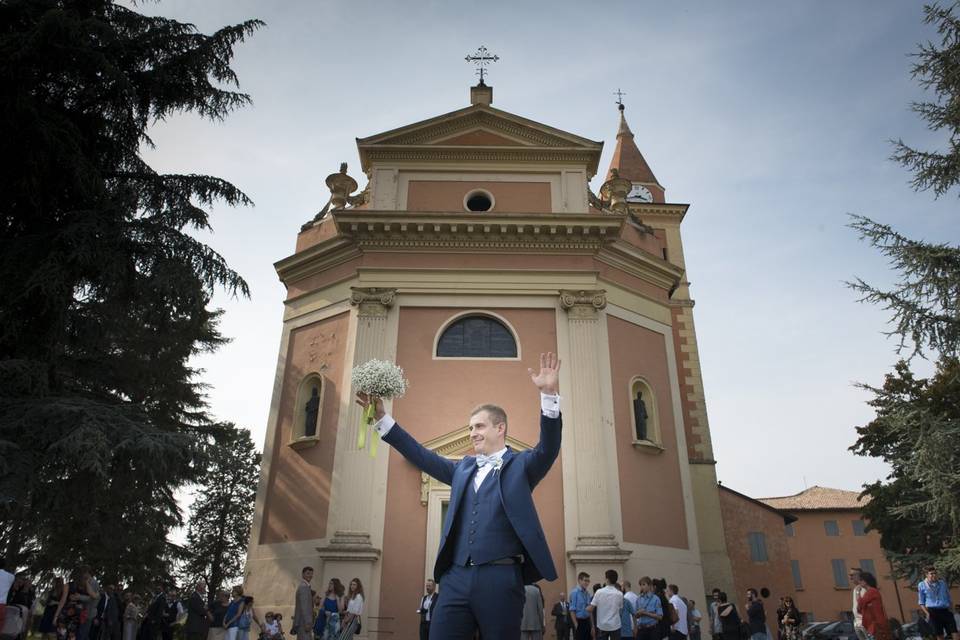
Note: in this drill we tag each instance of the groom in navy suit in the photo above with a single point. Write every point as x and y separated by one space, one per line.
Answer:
492 542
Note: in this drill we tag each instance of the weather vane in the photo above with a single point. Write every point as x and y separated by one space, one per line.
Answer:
482 58
619 95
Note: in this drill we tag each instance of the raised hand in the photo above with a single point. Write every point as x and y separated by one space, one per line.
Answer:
547 379
364 401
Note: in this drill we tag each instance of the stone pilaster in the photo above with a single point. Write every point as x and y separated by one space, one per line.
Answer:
596 547
350 551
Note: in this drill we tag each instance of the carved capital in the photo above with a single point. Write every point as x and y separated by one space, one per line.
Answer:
583 304
371 301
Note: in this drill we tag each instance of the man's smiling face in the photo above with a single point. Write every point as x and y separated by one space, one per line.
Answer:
487 437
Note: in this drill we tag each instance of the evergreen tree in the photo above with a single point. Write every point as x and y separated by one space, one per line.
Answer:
105 293
220 517
917 427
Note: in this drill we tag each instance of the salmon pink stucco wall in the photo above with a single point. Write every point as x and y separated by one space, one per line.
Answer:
509 197
298 490
649 517
439 400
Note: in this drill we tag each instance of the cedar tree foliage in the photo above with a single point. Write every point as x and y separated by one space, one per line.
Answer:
105 293
220 517
916 509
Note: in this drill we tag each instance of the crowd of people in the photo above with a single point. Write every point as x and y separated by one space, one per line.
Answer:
81 609
334 616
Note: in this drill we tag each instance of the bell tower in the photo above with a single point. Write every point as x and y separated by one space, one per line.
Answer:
646 202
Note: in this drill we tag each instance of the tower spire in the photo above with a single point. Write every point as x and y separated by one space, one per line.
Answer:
627 159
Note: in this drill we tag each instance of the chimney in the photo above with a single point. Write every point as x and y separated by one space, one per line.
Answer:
481 94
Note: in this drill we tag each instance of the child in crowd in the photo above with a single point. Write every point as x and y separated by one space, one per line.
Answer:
271 630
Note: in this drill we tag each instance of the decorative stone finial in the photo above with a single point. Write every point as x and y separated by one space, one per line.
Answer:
341 186
615 191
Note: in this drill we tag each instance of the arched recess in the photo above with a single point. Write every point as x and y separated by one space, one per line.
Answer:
308 411
472 335
644 414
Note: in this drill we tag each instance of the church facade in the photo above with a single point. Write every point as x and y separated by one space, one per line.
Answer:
475 246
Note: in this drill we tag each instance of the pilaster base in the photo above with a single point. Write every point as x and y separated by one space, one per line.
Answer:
597 553
348 556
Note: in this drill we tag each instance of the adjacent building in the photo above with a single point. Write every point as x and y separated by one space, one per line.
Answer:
804 546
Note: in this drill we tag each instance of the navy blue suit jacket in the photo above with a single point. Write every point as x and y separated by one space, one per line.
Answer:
517 477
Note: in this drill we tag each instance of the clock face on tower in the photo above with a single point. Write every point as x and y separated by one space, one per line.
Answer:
639 193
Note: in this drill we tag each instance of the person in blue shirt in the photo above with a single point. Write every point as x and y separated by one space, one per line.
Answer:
579 599
627 613
649 611
934 598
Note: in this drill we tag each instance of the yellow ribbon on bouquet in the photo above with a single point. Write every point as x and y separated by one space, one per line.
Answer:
366 425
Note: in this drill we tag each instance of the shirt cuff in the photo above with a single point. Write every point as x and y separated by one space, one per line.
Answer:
384 424
550 405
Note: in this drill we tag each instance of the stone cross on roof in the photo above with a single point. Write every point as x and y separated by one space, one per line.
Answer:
482 58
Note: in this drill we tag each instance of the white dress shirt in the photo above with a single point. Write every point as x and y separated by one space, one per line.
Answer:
681 607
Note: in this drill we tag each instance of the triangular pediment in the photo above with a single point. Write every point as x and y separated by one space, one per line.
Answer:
479 118
481 138
456 444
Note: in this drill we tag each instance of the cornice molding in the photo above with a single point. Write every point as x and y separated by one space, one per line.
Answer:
662 211
457 231
442 153
641 264
316 259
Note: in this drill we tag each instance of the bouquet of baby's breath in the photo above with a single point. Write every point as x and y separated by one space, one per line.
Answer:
376 379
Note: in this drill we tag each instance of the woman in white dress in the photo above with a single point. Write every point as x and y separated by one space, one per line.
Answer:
131 617
350 617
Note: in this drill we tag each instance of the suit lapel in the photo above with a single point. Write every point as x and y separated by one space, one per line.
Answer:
461 478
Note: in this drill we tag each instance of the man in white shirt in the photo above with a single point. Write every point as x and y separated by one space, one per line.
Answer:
427 603
679 630
629 594
607 603
486 557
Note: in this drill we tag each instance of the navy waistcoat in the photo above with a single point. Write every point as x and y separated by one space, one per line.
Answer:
482 532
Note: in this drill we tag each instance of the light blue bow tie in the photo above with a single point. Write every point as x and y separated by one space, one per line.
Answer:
483 460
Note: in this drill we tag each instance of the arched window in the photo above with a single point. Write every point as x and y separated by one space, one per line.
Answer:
308 411
477 336
643 414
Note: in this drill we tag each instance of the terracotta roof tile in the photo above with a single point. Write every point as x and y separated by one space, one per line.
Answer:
821 498
627 158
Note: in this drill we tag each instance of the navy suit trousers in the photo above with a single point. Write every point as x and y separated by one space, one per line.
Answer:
486 597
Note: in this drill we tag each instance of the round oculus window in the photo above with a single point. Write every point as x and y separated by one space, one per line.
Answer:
478 200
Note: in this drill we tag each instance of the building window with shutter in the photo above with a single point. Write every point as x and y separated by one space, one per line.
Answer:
797 580
859 528
789 530
758 546
476 335
831 527
840 580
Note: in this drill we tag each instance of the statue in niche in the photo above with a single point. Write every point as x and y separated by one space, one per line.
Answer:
640 416
313 410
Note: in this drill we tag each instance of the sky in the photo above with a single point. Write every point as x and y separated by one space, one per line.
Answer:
773 120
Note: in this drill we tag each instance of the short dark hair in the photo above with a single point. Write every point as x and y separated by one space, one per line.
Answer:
611 575
753 592
496 413
582 575
867 577
929 568
715 591
305 569
673 588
